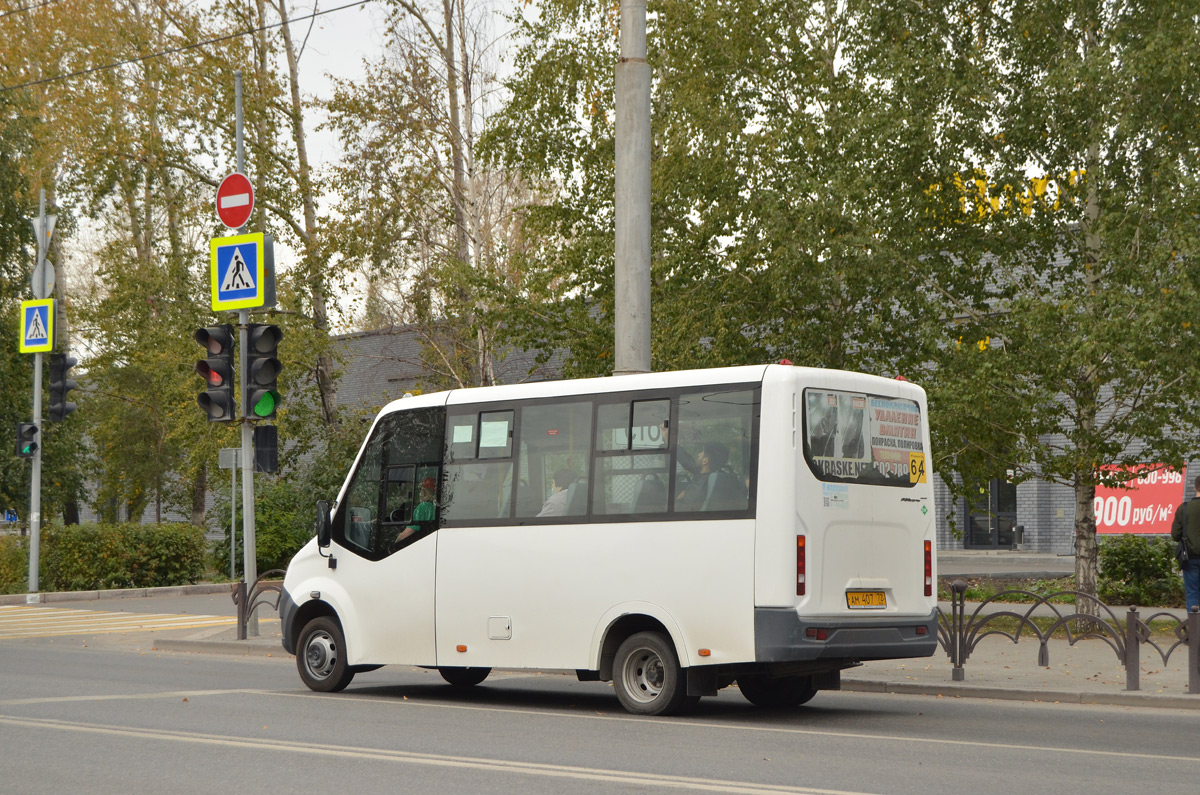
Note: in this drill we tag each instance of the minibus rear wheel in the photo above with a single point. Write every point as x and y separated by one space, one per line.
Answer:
781 692
647 676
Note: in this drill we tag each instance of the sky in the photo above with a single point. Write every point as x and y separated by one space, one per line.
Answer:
337 43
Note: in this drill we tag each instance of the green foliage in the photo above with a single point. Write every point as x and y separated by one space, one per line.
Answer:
16 239
14 564
285 504
1136 570
83 557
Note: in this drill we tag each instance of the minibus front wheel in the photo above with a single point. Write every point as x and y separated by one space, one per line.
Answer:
321 656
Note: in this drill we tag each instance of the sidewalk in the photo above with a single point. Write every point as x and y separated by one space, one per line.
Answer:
1087 673
1003 563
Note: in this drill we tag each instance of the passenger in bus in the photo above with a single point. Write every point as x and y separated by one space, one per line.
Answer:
424 512
711 489
556 503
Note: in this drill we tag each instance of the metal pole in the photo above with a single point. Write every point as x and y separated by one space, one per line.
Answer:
631 344
249 563
35 479
957 608
233 520
1133 655
1193 636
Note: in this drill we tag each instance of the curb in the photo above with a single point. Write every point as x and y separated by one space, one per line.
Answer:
1121 699
117 593
244 648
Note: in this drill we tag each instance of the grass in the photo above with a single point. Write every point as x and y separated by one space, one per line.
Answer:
983 588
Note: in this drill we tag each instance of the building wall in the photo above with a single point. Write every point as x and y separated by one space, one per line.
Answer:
1045 510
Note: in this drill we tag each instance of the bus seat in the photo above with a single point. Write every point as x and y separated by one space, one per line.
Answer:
651 496
577 502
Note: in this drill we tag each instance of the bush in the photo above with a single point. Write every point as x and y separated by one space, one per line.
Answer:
101 556
1139 570
285 505
14 564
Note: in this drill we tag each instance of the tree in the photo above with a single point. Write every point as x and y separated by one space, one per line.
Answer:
431 225
989 197
139 306
16 240
1064 242
770 174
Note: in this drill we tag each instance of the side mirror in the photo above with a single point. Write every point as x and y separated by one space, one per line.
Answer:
324 526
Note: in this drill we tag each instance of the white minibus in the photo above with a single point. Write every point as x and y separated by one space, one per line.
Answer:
672 533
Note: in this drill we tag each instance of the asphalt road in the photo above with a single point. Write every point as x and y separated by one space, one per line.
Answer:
80 714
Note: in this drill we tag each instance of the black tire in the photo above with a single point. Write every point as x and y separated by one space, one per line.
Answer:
321 656
647 676
782 692
464 677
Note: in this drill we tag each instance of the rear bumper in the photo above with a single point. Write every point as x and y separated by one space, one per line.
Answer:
780 635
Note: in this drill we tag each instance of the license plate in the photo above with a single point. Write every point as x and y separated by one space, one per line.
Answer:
866 600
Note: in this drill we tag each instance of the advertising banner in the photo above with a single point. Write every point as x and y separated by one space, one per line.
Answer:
1146 505
864 438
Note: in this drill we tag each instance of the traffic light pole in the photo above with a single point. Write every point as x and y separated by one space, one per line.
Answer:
35 486
35 478
249 564
249 546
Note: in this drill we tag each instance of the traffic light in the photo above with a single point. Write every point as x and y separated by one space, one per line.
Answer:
217 400
266 448
26 439
262 368
60 385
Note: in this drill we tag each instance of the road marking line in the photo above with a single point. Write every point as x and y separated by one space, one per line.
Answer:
705 724
20 621
628 778
129 696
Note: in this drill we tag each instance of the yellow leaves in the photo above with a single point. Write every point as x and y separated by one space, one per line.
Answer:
984 344
979 199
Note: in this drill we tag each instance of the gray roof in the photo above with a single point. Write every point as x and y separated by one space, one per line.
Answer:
379 366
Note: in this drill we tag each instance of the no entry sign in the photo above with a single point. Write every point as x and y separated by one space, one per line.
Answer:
235 200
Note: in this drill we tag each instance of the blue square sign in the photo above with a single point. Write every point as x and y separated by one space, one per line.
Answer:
37 326
240 272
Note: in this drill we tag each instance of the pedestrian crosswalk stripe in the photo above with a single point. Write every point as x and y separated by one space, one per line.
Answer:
35 621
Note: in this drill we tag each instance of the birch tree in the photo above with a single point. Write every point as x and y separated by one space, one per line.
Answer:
431 225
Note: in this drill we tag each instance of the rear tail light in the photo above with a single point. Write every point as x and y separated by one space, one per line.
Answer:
929 568
800 566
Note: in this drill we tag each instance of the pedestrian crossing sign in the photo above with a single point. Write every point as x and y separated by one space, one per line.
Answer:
37 326
242 272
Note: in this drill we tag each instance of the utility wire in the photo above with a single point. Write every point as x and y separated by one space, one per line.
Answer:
42 4
176 50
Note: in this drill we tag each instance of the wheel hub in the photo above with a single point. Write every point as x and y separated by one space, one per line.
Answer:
320 655
646 675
